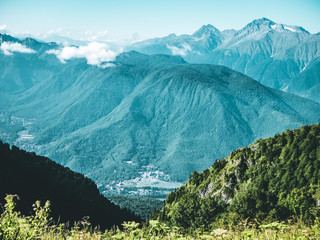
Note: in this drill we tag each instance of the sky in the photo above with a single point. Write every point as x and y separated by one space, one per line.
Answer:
116 20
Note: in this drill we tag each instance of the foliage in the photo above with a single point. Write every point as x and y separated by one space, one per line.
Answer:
14 226
139 205
72 195
271 180
266 191
39 225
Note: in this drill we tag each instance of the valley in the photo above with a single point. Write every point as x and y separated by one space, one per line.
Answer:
159 120
139 124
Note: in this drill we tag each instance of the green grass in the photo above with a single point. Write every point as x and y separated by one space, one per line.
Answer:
40 226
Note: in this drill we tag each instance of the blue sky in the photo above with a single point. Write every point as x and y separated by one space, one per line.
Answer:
149 18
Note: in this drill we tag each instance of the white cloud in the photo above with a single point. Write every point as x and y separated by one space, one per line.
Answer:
180 51
54 31
3 27
9 47
49 33
92 36
106 65
95 53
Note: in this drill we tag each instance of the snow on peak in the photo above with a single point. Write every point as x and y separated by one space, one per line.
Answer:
294 28
290 29
284 27
259 27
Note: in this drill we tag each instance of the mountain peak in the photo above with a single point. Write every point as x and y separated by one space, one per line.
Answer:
30 40
256 25
265 24
263 20
260 23
206 30
7 38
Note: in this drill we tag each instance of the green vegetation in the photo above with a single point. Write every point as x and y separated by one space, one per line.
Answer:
141 206
268 190
271 180
40 226
72 195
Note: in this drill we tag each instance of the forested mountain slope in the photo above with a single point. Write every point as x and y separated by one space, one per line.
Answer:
273 178
72 195
141 125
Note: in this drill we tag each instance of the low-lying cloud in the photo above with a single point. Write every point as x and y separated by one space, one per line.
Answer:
3 27
96 36
9 47
95 53
180 51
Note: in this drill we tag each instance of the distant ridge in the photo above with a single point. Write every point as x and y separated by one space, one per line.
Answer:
142 125
276 55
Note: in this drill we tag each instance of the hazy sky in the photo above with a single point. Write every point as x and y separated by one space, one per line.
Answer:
149 18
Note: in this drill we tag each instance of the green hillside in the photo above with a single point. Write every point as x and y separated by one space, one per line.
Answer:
139 205
272 179
72 195
243 196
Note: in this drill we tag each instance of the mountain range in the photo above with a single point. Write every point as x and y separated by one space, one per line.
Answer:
277 55
141 125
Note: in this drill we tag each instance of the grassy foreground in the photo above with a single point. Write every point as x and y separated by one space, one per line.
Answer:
40 226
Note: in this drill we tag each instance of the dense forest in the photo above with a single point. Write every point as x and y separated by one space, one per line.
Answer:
139 205
269 190
271 180
72 195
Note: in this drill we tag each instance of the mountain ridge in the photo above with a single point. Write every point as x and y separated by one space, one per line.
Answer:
137 126
271 53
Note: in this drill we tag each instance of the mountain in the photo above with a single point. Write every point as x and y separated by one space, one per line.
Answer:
307 83
275 55
274 179
29 42
13 78
72 195
142 125
7 38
